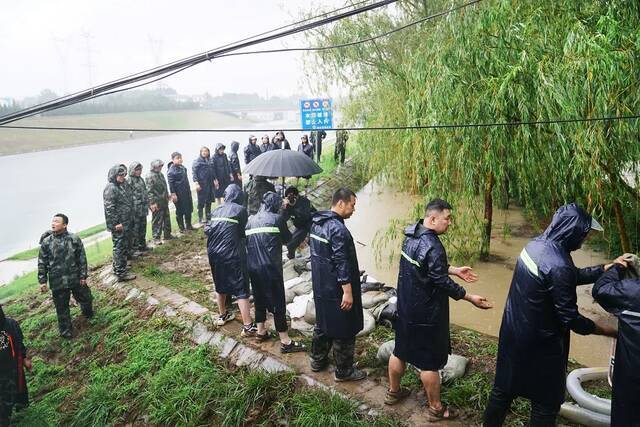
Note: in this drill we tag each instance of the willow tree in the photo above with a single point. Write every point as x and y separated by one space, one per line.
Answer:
500 62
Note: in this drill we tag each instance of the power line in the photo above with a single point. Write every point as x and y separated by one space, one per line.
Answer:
372 128
206 56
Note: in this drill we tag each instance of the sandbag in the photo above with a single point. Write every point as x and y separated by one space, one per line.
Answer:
369 323
303 327
293 282
300 265
289 272
385 351
372 299
310 312
302 288
298 307
289 295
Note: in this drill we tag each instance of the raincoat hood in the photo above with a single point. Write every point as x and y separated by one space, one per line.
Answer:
233 194
271 202
415 230
115 171
235 145
324 216
133 166
156 164
569 227
219 145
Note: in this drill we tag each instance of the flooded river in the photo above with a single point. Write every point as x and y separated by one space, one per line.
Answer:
377 205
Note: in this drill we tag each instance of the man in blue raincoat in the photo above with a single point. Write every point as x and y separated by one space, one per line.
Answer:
336 288
621 296
540 312
424 289
227 257
266 233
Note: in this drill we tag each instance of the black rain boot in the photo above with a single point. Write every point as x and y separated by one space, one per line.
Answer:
180 221
187 220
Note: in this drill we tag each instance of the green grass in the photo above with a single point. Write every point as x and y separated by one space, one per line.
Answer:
33 252
124 367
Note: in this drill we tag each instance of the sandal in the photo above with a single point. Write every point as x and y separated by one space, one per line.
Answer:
444 413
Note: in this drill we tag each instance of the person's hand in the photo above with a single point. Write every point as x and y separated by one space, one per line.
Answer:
198 188
216 184
231 176
119 228
83 282
478 301
606 330
43 288
465 273
174 197
153 207
347 301
28 364
239 176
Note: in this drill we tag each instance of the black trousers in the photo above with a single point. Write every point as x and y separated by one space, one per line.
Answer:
343 352
318 149
82 294
542 414
299 234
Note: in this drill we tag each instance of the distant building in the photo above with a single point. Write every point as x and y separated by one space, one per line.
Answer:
6 102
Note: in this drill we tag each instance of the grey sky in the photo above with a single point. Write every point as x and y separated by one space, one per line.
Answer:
50 44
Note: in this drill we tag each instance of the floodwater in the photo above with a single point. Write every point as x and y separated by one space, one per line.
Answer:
71 180
377 205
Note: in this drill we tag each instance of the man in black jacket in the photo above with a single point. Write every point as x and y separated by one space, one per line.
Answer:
13 360
336 289
540 313
618 292
317 136
252 150
299 209
424 289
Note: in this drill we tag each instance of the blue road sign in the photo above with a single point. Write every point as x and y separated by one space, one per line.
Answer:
316 114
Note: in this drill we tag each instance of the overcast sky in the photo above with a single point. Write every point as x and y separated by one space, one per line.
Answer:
68 45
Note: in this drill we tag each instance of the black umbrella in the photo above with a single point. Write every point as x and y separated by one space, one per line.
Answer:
282 163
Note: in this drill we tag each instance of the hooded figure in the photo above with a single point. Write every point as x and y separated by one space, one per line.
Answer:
305 147
140 206
424 288
317 136
158 201
234 163
222 171
252 150
13 360
619 294
226 244
266 233
540 312
259 187
179 186
300 210
118 214
203 175
284 143
266 145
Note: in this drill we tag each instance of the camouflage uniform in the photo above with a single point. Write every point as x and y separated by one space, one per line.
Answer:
140 208
341 145
118 209
158 194
62 262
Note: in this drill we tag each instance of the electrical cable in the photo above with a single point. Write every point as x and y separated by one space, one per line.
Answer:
354 128
207 56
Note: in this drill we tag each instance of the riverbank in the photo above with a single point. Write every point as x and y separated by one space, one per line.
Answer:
17 141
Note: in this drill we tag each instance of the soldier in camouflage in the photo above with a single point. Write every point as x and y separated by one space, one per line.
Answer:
158 202
140 207
63 264
118 213
341 145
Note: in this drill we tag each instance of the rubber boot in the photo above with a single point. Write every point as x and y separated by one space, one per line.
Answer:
187 220
180 221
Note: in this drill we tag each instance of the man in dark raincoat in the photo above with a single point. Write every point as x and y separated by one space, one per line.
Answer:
266 233
203 176
621 297
336 288
424 289
227 257
62 264
222 172
266 145
140 206
282 140
317 136
234 164
13 360
540 312
299 209
180 192
251 151
118 214
158 202
257 188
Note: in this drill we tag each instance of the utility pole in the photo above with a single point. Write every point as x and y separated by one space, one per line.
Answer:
155 47
86 35
58 44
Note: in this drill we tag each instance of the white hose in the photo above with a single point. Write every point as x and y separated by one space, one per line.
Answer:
584 416
584 399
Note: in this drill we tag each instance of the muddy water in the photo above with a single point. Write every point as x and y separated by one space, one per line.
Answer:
377 205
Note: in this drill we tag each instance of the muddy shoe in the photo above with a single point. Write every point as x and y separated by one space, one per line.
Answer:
249 330
317 367
444 413
224 318
127 277
355 375
67 335
292 347
267 336
169 237
394 397
157 242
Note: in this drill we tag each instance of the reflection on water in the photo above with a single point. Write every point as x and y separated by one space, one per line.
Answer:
378 204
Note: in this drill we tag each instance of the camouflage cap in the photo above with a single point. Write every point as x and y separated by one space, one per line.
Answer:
122 170
157 163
